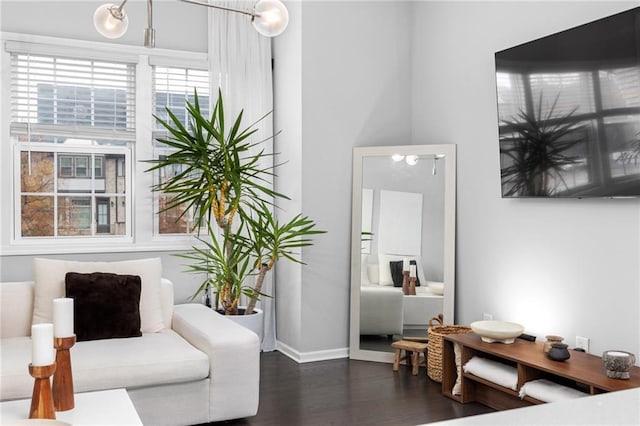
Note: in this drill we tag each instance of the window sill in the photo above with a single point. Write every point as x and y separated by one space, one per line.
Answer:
30 249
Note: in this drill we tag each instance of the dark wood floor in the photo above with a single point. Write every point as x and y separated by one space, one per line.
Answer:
346 392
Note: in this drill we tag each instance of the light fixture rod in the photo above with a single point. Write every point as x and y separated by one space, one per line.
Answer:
228 9
149 32
118 9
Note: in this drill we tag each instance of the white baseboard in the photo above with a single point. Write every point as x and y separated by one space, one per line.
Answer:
302 357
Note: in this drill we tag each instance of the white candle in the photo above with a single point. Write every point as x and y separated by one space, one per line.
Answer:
42 351
405 264
412 271
63 317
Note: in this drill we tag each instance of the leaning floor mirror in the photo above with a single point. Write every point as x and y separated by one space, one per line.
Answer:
403 218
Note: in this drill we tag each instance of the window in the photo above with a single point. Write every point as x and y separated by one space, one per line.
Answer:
76 116
173 87
75 147
600 108
97 167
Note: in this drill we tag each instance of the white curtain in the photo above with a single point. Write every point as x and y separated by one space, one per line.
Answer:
240 65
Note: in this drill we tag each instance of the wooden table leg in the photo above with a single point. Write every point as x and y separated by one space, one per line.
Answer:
396 360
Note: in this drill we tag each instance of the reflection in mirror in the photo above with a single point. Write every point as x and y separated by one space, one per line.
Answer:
403 218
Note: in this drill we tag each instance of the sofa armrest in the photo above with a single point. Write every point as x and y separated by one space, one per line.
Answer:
234 359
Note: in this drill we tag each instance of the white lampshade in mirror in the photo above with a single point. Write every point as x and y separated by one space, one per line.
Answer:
110 21
271 17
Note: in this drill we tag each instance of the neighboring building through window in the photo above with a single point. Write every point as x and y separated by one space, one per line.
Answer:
73 127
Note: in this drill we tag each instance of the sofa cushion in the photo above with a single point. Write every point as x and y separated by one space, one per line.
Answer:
49 284
153 359
104 305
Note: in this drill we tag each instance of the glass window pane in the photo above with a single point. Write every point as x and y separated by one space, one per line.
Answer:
115 181
511 97
65 166
623 139
74 216
169 221
620 87
98 167
118 215
82 166
36 171
558 94
36 216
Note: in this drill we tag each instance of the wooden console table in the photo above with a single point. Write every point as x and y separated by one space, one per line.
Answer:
582 371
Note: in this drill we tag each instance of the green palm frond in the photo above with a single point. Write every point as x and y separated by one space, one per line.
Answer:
537 150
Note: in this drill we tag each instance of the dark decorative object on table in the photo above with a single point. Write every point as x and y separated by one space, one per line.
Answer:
559 352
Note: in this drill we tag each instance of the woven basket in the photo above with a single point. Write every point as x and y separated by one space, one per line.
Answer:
436 335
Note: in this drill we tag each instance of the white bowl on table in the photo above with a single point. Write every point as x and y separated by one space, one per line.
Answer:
497 331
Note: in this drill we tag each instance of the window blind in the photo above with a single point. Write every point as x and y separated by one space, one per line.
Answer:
72 93
173 86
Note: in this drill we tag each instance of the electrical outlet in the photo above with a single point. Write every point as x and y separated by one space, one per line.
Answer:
487 317
583 343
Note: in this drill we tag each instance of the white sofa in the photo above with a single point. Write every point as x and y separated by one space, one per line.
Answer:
381 310
201 367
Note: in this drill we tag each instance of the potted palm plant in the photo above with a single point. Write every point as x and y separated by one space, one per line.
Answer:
223 183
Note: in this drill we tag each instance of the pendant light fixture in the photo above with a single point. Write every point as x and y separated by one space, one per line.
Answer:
269 17
111 21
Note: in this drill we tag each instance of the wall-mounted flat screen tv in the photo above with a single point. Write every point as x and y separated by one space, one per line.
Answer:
569 112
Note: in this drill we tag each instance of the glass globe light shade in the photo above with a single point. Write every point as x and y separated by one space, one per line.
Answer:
272 17
110 21
397 157
412 160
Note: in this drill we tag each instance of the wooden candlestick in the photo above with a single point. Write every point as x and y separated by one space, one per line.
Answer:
412 286
405 283
42 399
63 379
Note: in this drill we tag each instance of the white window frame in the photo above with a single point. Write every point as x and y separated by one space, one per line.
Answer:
73 152
142 221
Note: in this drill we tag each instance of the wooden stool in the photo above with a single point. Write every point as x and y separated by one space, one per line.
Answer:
416 348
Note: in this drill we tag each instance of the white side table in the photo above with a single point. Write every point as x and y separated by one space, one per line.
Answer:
110 407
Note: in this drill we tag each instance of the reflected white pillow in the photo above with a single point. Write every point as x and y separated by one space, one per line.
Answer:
385 269
49 276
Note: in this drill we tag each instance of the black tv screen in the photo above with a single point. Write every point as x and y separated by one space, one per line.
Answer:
569 112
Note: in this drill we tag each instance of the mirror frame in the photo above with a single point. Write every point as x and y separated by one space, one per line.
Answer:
359 154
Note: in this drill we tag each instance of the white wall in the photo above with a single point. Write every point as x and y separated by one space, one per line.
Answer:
567 267
354 91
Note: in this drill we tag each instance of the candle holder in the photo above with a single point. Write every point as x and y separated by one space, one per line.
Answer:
412 286
405 283
63 379
42 399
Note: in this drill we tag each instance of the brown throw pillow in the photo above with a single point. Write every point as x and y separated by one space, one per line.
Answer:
105 305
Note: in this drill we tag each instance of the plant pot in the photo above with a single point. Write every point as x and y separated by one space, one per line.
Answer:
253 322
